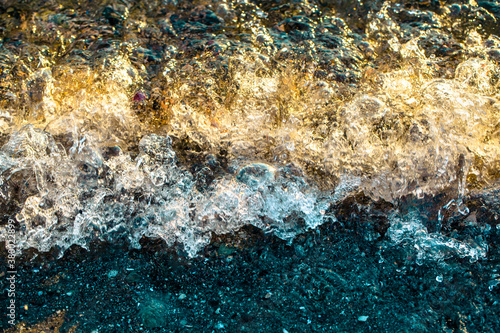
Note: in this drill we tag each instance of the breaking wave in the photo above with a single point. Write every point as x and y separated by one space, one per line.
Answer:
85 158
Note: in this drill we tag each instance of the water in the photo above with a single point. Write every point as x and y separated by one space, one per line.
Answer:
269 125
250 166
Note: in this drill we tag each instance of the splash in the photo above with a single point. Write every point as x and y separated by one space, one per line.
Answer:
103 147
409 230
78 197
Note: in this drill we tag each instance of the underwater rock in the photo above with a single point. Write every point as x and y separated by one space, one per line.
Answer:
300 23
115 14
166 27
492 7
40 85
494 54
139 96
208 17
155 312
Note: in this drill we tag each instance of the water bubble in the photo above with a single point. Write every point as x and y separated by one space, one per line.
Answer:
255 174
